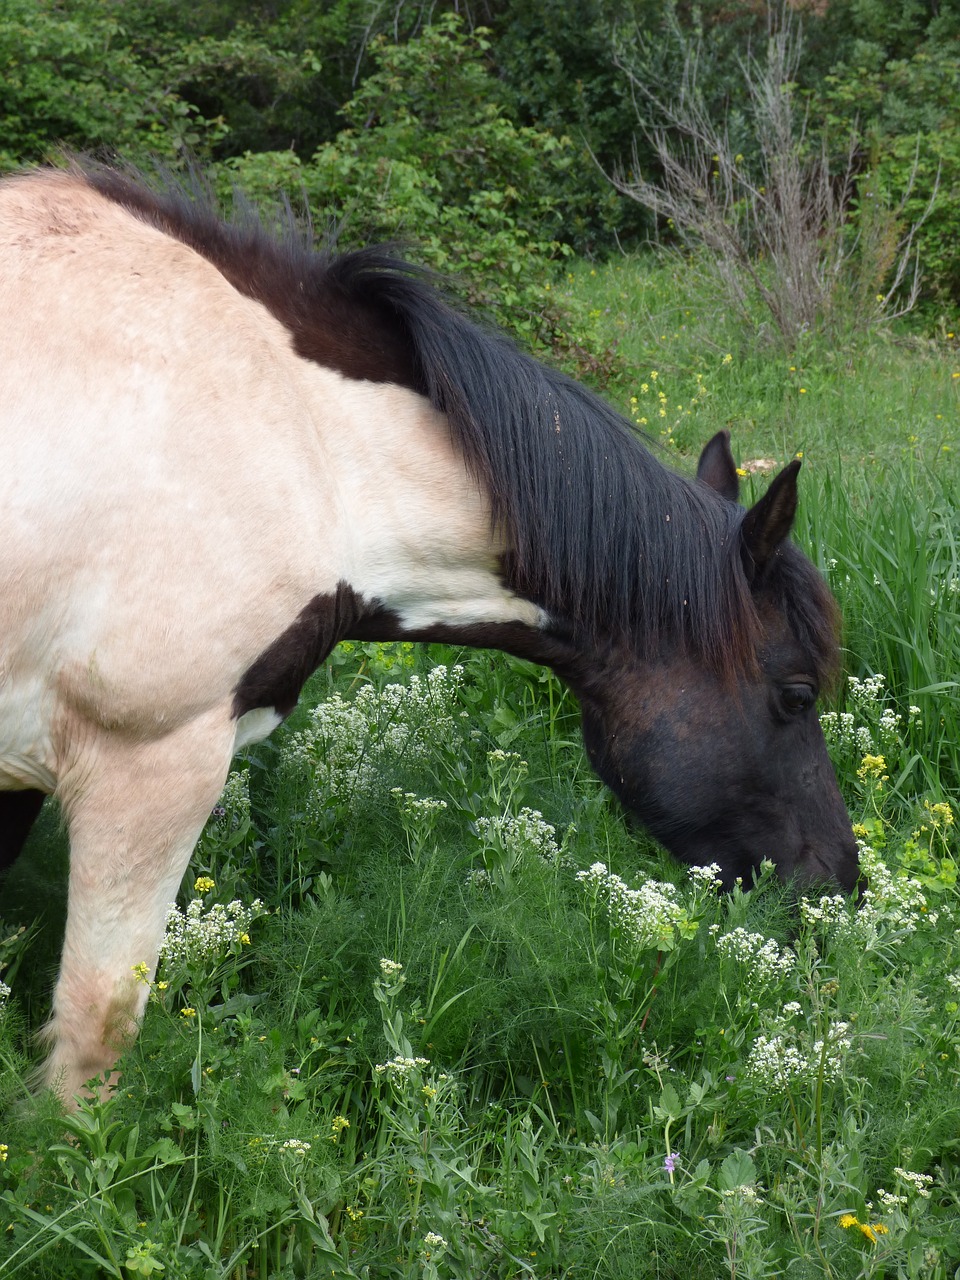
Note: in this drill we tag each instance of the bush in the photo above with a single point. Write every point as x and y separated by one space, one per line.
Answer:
429 154
911 151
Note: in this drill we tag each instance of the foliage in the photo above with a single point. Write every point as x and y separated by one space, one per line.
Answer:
411 1068
911 151
80 74
774 231
430 154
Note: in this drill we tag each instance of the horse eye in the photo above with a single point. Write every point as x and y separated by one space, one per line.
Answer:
798 697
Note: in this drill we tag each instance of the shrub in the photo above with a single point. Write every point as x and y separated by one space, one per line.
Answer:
429 153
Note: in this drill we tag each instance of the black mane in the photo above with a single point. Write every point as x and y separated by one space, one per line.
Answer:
602 535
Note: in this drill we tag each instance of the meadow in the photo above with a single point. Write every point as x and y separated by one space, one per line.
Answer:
429 1006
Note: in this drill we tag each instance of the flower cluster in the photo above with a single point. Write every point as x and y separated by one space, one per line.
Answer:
870 1231
399 1068
520 835
831 912
337 1126
779 1060
4 994
761 959
892 899
651 916
893 905
920 1182
747 1193
709 877
841 730
295 1146
235 797
417 808
891 1201
196 936
347 744
867 692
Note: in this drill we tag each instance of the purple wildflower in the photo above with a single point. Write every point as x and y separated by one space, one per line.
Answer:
671 1161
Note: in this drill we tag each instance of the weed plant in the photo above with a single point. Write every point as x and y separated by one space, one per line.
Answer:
430 1008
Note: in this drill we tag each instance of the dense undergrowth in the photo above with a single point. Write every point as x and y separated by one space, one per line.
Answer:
430 1008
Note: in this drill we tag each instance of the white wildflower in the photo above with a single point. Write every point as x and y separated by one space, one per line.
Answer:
889 1200
295 1146
651 916
196 936
398 1068
780 1059
708 876
517 836
761 958
347 747
920 1182
745 1194
866 692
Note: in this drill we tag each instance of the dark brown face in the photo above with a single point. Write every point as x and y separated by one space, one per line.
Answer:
731 776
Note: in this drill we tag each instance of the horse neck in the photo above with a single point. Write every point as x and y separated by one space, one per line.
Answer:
414 527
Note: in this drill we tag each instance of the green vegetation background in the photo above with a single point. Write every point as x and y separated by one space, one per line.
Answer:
693 1087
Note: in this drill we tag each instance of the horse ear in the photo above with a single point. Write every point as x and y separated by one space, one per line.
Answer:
717 468
770 520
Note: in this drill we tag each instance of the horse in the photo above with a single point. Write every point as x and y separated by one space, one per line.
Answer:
224 451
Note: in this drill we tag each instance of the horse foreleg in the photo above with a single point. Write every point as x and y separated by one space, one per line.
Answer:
134 812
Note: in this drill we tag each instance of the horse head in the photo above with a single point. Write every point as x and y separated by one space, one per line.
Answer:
732 768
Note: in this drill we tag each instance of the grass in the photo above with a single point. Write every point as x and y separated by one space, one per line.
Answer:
456 1046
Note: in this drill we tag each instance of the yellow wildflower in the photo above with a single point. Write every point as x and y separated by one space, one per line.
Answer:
337 1126
871 767
940 811
867 1229
203 884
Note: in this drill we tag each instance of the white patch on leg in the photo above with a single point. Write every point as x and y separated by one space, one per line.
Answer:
256 725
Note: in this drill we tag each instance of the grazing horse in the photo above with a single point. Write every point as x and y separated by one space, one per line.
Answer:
221 453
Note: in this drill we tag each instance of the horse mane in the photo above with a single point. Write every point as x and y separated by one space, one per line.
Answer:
609 541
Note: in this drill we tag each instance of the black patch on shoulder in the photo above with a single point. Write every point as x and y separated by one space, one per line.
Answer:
332 306
276 677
